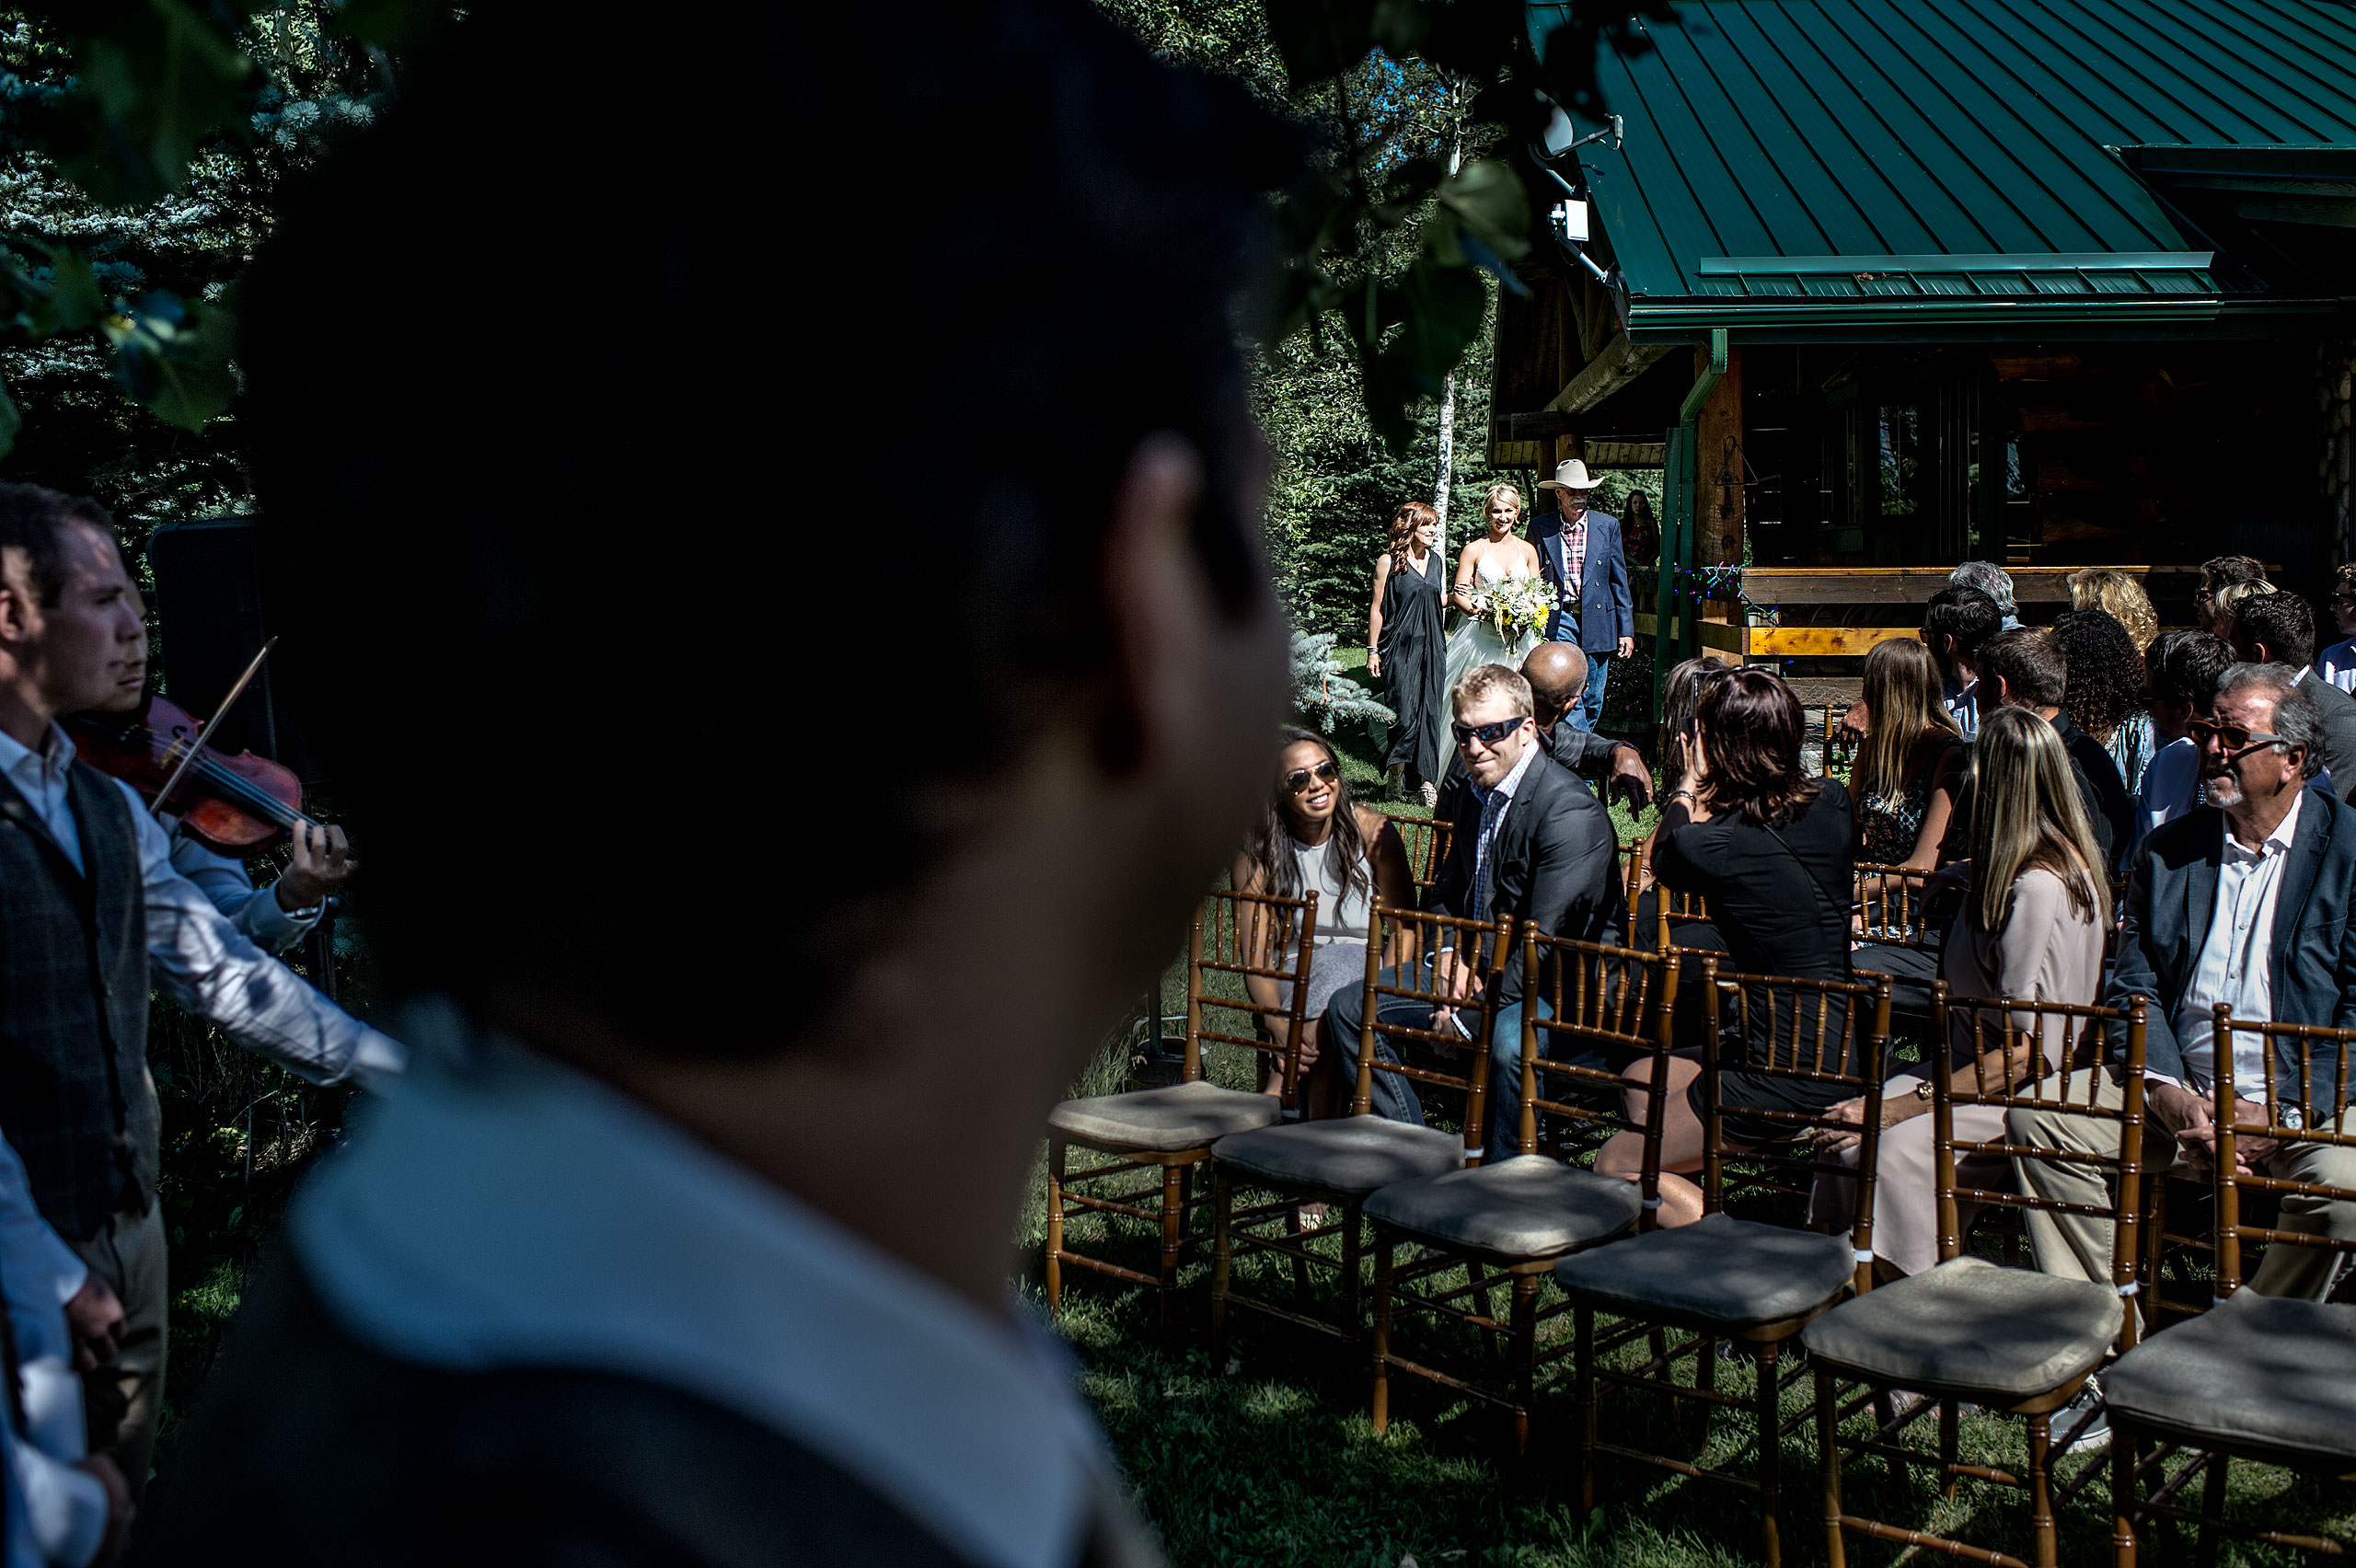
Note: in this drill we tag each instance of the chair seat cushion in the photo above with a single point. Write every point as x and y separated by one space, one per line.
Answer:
1352 1156
1969 1326
2259 1369
1716 1273
1164 1121
1528 1207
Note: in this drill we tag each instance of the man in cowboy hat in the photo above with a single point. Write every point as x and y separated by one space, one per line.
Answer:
1578 550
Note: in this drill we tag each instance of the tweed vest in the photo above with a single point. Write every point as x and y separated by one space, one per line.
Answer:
76 1099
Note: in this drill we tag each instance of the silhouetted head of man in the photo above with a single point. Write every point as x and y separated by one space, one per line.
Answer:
814 822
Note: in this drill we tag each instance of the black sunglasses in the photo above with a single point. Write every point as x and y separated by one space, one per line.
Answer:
1487 734
2232 737
1298 780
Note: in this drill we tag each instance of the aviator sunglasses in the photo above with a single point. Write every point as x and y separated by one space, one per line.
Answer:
2232 737
1487 734
1298 780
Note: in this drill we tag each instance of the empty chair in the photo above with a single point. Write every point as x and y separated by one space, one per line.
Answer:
1170 1130
2264 1377
1603 1026
1342 1162
2007 1338
1427 842
1808 1043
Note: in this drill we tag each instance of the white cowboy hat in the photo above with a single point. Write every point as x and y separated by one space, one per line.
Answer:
1569 475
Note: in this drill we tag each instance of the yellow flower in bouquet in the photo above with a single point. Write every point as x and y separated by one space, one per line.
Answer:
1518 605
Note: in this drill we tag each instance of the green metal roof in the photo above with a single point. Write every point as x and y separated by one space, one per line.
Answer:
1795 165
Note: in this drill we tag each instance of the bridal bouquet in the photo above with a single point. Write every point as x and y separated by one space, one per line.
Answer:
1518 605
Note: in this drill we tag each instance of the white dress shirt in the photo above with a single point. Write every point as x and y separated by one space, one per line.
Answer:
56 1514
254 911
2171 786
196 957
494 1208
2336 665
1963 707
2236 957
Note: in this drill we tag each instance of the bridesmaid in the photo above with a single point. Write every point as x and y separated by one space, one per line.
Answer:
1405 651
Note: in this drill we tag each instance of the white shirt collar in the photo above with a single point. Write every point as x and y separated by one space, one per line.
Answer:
2277 842
56 754
498 1209
1512 781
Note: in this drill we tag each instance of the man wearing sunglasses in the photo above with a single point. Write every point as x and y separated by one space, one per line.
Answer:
1529 841
2247 902
1557 674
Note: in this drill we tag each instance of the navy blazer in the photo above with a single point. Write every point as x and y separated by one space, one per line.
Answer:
2172 896
1603 607
1557 861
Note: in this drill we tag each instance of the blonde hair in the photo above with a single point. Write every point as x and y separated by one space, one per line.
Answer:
2109 589
1489 498
1901 697
2026 815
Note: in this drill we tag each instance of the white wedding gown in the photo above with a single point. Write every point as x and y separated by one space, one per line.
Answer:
1475 641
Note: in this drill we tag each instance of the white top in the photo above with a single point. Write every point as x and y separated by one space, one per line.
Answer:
2237 958
196 957
498 1209
2171 786
2336 665
1339 917
1963 707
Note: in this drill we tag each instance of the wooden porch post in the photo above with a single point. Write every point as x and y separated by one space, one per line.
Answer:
1719 511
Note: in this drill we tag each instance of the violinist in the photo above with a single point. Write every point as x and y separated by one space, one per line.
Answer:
276 918
92 894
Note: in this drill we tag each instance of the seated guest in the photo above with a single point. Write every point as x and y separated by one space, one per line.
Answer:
1771 850
2337 664
2032 930
1528 841
1557 675
2120 592
2246 901
1995 582
2102 685
1900 818
2024 669
2279 628
2182 669
1313 838
2227 601
687 1243
1956 624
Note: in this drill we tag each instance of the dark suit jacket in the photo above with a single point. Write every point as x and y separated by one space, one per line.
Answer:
2095 764
2173 895
1555 862
1606 613
2338 712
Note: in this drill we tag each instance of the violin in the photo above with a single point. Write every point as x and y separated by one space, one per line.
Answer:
233 806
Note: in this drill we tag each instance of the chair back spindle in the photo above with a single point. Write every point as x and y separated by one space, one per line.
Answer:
2287 1120
1608 999
1455 945
1252 936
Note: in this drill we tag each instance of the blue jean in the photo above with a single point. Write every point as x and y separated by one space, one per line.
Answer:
1394 1097
1586 713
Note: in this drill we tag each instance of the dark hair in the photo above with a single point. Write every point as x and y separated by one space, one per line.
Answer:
34 519
1967 615
1270 846
2221 572
2284 622
1754 725
2183 666
434 541
2102 674
2029 661
2344 579
1638 507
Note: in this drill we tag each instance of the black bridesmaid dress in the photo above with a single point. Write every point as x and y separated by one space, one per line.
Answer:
1414 663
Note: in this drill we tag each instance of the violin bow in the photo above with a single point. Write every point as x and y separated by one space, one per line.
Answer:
205 730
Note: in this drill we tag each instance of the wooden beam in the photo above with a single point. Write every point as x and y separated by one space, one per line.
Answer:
1915 584
1821 641
1619 364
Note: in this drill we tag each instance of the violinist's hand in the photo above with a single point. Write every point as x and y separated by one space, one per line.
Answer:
322 859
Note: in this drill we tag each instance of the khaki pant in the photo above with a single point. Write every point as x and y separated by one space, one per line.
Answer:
2079 1246
124 1401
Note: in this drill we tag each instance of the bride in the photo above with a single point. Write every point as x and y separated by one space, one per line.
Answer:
1497 554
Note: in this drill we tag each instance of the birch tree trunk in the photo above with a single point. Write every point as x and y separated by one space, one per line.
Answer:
1447 458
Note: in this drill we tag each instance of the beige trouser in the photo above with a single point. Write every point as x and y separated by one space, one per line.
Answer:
124 1401
2079 1246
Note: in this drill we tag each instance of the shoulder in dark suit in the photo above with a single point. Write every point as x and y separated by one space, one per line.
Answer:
2173 895
1555 860
2338 712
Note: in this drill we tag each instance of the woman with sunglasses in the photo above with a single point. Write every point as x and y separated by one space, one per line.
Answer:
1314 836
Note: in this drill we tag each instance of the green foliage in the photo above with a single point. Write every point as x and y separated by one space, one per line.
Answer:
1321 693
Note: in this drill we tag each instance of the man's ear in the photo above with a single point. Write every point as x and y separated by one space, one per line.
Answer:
20 616
1153 585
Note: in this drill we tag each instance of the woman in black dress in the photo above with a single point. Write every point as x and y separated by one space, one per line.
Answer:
1404 649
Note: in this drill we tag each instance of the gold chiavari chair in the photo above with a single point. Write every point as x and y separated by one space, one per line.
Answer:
1727 1278
1518 1214
1968 1329
2270 1378
1170 1129
1426 840
1343 1161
